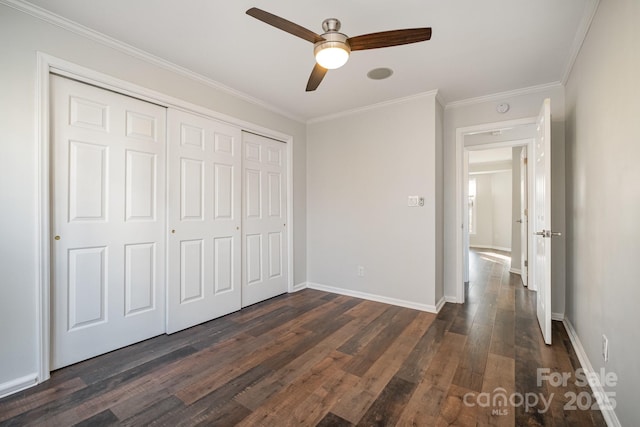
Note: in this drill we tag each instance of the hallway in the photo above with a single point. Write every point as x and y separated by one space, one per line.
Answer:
504 349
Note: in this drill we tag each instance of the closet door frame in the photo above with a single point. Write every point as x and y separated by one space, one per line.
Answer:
46 65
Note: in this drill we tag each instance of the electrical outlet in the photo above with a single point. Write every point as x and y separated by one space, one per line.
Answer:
360 271
605 348
421 201
413 201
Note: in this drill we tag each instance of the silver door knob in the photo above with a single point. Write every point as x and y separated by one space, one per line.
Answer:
547 233
519 220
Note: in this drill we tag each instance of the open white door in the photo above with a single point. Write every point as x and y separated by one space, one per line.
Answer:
524 218
204 220
465 213
542 221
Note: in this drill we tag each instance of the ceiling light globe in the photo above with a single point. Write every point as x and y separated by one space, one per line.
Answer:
332 57
333 51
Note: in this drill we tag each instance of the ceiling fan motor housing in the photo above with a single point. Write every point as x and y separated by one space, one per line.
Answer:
331 24
332 39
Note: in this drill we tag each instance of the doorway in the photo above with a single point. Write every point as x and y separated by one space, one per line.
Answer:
501 135
496 211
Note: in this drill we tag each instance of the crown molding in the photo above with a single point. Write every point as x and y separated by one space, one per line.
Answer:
81 30
583 29
502 95
432 93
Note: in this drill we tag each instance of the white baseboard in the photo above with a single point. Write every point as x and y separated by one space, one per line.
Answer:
451 299
299 287
609 414
495 248
557 316
515 271
18 384
378 298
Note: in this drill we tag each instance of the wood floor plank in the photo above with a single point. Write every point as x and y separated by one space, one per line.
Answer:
499 379
503 335
315 408
426 348
528 344
95 398
146 415
217 376
353 404
216 404
255 395
105 418
361 338
459 410
30 400
357 400
464 318
424 405
332 420
280 406
470 372
386 409
369 354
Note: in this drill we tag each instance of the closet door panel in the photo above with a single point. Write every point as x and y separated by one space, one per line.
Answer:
204 220
108 216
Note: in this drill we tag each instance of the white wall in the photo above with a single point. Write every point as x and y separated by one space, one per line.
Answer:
493 211
484 212
501 194
603 152
361 169
526 104
21 36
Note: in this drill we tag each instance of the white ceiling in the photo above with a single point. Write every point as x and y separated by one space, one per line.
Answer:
477 48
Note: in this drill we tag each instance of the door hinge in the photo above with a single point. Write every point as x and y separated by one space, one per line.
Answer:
525 161
526 263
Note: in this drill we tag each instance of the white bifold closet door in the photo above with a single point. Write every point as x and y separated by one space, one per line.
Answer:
264 226
204 266
108 217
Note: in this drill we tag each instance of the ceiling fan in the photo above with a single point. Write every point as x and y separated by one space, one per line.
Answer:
332 48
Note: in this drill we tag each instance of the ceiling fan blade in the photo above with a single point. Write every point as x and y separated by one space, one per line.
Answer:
284 25
389 38
316 77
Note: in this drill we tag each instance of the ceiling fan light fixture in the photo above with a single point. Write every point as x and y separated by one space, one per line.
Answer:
332 57
333 52
332 48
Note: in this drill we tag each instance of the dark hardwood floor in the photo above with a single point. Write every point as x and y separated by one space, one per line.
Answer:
313 358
